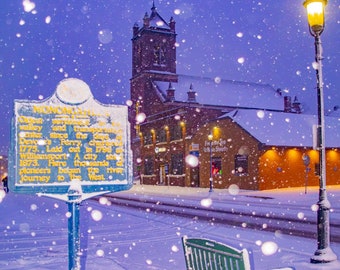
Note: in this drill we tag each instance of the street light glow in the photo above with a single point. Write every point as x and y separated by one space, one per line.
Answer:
316 14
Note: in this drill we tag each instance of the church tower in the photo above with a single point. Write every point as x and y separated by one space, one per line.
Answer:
153 45
153 59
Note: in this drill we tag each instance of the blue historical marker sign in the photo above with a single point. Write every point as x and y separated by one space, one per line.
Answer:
70 138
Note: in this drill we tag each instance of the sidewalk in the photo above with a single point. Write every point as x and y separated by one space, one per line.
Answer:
281 204
284 204
290 210
233 190
279 200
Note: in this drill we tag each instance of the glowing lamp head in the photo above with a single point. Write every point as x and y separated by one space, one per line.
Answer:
316 15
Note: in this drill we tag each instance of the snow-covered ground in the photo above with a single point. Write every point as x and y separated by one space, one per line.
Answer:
34 230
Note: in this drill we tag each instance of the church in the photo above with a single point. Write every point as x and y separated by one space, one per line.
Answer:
210 132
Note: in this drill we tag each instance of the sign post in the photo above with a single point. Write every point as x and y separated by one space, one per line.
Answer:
73 236
70 147
74 200
306 162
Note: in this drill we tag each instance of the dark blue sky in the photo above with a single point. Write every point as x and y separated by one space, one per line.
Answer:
257 41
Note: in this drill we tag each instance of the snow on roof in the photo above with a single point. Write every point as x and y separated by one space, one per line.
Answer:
156 20
220 92
285 129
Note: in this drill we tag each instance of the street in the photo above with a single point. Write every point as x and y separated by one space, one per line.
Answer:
119 237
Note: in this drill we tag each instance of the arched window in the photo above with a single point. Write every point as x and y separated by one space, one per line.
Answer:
175 132
161 135
177 164
159 55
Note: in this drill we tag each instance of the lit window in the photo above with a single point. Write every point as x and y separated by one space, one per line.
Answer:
216 165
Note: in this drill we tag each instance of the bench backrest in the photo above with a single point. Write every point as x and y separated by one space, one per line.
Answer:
204 254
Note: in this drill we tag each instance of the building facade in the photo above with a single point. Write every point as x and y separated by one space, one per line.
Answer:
3 166
194 131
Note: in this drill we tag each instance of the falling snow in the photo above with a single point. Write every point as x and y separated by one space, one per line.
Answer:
115 237
44 42
92 41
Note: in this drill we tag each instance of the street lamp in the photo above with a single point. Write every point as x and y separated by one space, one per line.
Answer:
210 138
316 16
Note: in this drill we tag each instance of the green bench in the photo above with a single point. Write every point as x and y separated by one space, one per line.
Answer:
204 254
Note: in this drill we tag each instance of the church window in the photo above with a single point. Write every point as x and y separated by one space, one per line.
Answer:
159 55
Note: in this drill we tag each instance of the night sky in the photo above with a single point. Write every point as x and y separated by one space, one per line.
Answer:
257 41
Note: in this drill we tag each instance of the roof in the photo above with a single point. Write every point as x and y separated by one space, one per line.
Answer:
229 93
156 20
285 129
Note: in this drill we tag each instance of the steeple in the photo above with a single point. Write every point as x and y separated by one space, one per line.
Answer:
156 20
153 5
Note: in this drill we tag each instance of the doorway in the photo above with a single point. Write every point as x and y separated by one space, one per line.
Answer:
195 177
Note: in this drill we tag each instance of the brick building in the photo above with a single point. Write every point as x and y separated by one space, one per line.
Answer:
175 118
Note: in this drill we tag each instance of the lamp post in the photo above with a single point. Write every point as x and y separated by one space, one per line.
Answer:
210 138
324 254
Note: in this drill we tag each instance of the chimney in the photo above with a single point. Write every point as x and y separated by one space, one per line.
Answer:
170 93
296 106
135 29
146 20
191 94
279 91
287 104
